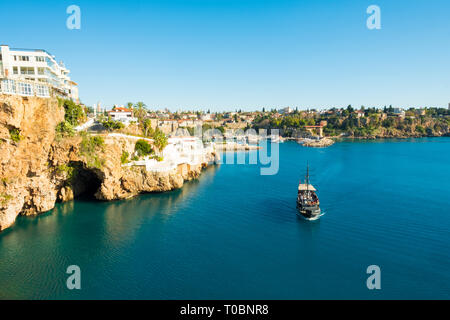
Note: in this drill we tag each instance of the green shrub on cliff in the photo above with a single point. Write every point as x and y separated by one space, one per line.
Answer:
64 129
124 157
90 144
73 112
143 148
420 129
111 125
14 134
90 147
69 170
64 168
4 198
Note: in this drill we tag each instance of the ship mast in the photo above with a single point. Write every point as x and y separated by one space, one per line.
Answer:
307 176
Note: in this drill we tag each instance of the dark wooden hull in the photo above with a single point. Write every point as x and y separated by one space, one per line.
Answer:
308 212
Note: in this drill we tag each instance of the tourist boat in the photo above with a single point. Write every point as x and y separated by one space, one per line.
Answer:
308 204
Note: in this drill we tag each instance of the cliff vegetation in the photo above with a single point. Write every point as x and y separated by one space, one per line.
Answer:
44 161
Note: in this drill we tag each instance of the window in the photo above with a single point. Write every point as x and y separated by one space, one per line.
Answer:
23 58
8 86
40 59
42 91
40 71
49 62
15 58
15 70
25 89
26 70
0 57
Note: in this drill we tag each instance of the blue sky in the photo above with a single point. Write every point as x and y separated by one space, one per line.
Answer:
247 54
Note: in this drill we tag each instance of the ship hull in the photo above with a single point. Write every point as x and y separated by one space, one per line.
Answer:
310 212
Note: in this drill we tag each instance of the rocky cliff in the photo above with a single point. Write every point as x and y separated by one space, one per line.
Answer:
38 169
27 131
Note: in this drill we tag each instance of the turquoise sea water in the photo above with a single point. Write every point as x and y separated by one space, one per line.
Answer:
234 234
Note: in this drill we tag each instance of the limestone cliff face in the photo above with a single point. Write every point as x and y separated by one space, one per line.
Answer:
137 180
27 130
37 170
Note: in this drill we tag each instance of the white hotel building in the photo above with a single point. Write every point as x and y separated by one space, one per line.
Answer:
34 72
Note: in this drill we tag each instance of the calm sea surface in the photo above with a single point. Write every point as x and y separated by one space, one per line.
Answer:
234 234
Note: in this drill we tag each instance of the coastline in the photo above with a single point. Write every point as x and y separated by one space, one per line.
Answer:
330 140
235 147
338 139
203 220
40 168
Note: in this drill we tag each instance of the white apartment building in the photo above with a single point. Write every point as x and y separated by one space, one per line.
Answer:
30 72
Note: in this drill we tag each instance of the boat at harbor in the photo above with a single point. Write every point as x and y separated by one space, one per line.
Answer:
253 139
275 138
308 204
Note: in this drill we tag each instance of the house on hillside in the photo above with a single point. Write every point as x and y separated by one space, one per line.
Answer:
399 112
122 114
286 110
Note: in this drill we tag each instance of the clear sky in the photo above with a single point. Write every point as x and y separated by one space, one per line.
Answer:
246 54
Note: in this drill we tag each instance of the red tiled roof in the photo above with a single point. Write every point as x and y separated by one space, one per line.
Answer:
119 109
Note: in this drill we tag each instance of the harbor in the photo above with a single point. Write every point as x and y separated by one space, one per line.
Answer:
235 159
156 239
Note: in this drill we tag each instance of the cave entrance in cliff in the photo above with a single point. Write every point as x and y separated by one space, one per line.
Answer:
85 181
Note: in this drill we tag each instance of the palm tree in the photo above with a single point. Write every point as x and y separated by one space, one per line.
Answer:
160 140
140 111
130 106
147 126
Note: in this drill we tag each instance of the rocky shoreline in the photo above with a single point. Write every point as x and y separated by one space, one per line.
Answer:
235 147
322 143
378 137
328 141
38 169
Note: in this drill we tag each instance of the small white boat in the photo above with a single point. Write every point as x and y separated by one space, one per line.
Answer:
275 139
